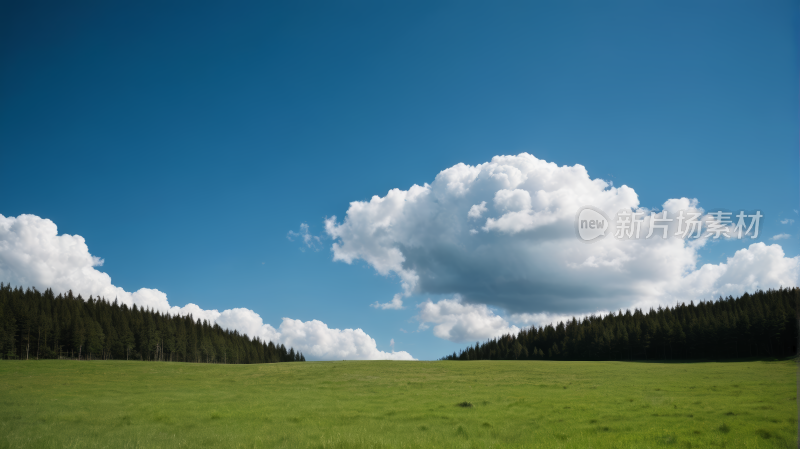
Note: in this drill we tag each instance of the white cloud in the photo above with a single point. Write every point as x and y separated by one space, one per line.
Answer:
477 210
374 243
760 266
311 241
780 237
460 322
395 304
527 259
543 319
32 254
787 221
517 200
315 339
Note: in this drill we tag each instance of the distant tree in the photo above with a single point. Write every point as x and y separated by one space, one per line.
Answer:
78 335
757 324
42 325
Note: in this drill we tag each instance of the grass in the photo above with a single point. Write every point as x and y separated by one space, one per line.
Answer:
59 404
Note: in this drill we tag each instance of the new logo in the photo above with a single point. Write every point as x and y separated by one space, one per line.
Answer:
591 224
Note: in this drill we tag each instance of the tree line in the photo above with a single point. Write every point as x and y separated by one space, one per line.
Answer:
762 324
40 325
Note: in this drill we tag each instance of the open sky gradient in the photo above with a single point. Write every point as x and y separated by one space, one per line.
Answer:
202 151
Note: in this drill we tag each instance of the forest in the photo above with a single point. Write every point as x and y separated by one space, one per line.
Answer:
36 325
762 324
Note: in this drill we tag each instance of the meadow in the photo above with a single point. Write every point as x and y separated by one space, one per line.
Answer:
543 404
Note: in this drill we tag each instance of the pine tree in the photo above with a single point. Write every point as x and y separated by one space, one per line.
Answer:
96 329
78 335
758 324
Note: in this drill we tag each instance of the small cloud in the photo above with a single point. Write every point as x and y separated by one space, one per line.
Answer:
311 241
403 330
780 237
795 211
395 304
391 343
473 231
477 210
460 322
787 221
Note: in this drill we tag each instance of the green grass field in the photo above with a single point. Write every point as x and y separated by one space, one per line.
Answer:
53 404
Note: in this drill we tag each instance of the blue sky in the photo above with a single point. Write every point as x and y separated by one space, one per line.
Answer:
184 141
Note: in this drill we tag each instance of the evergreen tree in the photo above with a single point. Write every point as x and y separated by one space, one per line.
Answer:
758 324
42 325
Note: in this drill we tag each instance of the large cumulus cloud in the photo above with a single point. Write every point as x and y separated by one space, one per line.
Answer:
32 254
502 233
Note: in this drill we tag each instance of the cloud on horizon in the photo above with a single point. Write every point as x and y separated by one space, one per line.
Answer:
32 254
459 322
502 234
